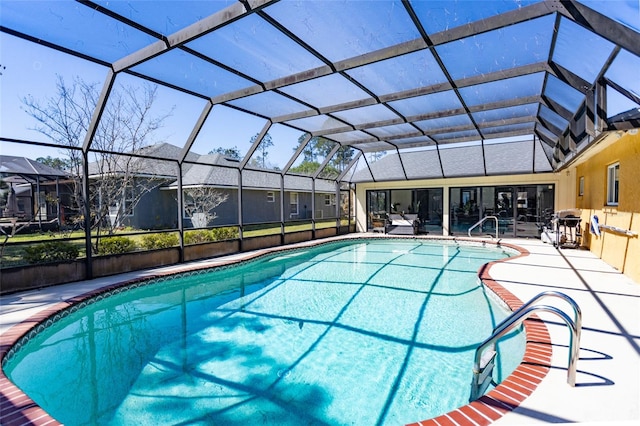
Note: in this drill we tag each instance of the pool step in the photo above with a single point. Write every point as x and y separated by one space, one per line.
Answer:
482 377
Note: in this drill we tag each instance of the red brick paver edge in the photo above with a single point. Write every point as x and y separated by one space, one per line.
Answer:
16 408
508 395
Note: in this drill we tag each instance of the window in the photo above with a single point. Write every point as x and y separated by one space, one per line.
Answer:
612 184
129 200
294 204
581 186
271 197
329 199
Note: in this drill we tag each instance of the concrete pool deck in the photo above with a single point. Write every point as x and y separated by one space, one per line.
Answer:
607 388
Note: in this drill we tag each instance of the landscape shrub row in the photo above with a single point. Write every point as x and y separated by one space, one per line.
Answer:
210 235
51 251
55 251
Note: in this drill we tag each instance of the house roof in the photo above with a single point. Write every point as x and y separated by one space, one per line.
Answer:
471 88
158 159
28 169
203 170
205 173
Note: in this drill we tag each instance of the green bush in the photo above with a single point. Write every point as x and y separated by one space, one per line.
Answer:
51 251
224 233
116 245
159 241
209 235
196 237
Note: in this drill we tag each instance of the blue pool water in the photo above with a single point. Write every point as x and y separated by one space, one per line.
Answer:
361 333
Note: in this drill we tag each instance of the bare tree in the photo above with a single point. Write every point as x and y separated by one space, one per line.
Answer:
14 226
200 203
127 125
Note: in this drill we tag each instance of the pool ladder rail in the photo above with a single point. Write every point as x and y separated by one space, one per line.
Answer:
483 220
485 355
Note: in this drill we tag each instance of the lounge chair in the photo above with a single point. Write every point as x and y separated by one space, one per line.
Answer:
402 224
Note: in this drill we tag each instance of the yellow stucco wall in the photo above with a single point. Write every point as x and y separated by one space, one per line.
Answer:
624 150
617 249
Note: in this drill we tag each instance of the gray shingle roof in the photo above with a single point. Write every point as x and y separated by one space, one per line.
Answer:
12 165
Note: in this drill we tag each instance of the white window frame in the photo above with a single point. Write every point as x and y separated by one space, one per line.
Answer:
613 184
128 198
271 197
294 203
329 199
581 186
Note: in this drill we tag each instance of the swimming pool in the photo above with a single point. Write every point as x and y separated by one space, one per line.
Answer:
364 332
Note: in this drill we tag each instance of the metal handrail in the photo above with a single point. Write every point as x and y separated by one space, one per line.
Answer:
577 312
478 385
483 220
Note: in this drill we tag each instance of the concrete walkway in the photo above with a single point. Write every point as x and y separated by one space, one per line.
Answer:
607 388
608 380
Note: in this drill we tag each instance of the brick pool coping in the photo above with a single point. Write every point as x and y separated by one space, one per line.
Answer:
535 364
16 408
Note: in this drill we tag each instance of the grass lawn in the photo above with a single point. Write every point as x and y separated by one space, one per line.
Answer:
13 248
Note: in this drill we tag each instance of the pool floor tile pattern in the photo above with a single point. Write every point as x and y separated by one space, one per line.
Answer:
16 408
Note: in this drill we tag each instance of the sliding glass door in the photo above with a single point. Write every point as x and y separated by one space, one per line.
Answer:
521 210
464 209
425 203
377 209
428 205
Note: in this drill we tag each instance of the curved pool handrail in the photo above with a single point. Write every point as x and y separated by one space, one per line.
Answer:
577 312
483 220
482 367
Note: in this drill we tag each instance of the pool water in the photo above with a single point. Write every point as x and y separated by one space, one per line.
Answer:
361 333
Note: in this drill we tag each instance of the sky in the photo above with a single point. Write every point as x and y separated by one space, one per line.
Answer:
30 69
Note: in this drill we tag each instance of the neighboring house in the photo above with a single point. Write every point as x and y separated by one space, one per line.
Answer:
32 191
141 204
157 208
260 192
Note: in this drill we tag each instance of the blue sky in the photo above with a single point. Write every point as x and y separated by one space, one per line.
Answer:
32 70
